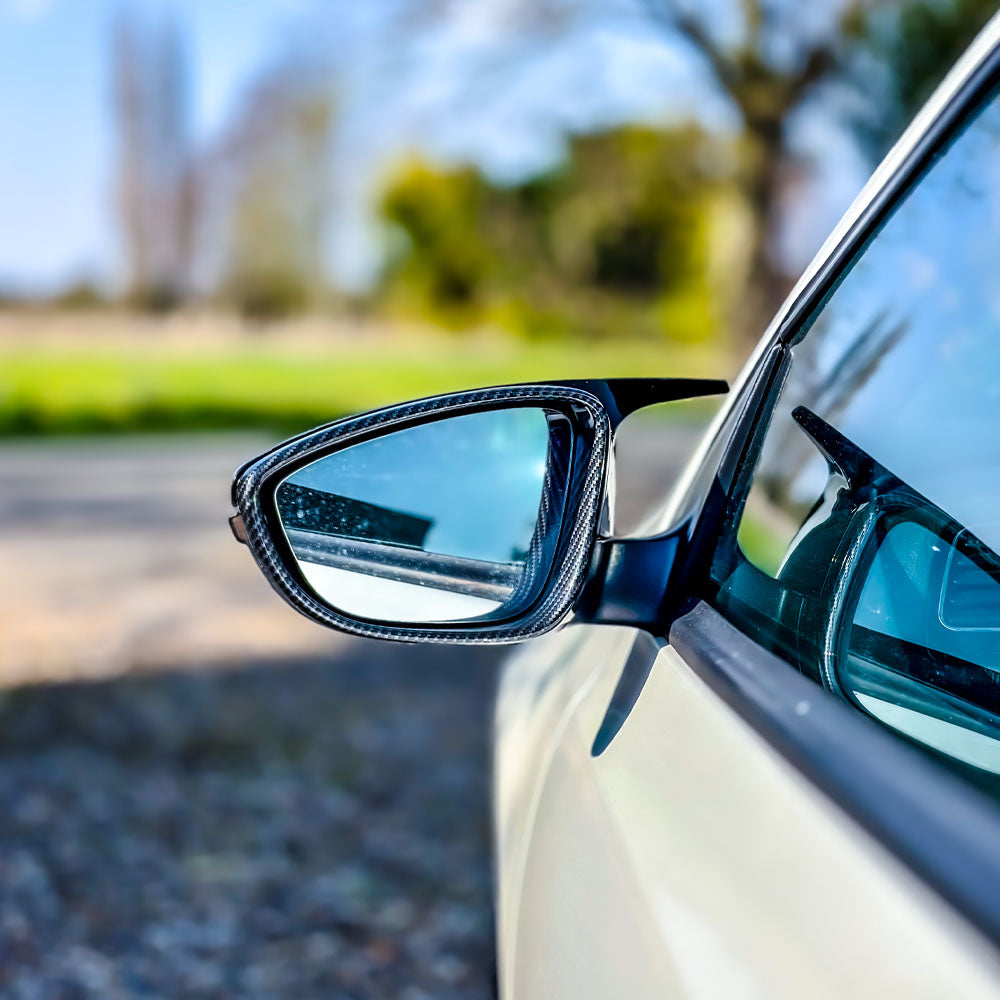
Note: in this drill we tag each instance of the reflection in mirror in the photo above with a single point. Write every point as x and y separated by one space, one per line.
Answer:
923 650
450 520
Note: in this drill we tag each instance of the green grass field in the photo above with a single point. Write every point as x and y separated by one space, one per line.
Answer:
52 388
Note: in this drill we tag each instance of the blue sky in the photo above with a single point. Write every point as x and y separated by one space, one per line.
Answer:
56 163
401 88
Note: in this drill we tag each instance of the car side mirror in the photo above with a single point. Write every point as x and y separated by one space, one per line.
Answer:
471 517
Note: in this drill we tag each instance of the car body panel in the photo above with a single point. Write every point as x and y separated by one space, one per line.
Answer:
540 687
690 859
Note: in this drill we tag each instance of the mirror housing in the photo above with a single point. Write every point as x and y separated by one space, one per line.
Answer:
383 560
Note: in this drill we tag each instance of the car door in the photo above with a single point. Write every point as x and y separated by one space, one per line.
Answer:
789 794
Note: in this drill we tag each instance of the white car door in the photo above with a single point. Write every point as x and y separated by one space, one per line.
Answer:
691 859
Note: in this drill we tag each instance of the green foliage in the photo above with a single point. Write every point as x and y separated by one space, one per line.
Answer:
443 256
912 44
144 385
616 239
81 295
268 295
155 298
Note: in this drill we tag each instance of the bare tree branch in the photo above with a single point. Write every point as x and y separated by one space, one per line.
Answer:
667 14
753 19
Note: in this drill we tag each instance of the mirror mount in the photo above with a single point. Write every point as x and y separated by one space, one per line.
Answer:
631 581
621 397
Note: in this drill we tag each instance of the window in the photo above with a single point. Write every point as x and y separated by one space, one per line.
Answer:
867 540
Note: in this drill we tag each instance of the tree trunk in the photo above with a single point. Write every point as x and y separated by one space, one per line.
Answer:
767 283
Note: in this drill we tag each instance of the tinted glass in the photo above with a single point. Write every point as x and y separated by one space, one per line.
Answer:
922 642
891 404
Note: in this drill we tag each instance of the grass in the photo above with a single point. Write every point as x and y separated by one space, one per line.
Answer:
140 385
761 544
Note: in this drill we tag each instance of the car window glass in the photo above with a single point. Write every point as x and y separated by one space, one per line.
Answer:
866 541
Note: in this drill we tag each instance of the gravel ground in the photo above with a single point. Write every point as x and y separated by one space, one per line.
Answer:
295 830
237 803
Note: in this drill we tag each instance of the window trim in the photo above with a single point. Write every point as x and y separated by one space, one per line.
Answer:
941 829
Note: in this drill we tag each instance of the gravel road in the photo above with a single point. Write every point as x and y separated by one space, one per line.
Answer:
203 795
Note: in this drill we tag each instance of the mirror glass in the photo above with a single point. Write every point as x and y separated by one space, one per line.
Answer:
923 649
438 522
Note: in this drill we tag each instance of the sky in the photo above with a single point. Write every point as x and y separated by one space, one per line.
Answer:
56 158
445 87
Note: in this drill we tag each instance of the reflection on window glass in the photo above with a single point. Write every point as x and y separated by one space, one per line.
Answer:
905 358
903 363
906 663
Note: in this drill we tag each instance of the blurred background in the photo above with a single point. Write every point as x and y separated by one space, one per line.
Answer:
221 223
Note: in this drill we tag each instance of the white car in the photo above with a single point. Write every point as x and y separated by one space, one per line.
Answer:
764 759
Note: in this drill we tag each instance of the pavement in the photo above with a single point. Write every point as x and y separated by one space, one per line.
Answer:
115 556
203 794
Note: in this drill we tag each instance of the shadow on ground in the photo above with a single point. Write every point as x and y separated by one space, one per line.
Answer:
296 829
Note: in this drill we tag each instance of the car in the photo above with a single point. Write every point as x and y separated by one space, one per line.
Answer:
764 759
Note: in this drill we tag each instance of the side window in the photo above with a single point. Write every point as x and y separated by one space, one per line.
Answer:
866 548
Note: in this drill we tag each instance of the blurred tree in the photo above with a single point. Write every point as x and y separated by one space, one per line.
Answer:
910 46
156 189
765 91
278 166
630 231
892 51
129 107
80 295
869 63
244 217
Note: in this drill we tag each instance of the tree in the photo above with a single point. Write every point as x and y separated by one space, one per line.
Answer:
274 161
766 92
628 233
155 170
912 42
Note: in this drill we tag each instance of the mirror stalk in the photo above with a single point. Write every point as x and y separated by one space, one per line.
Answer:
631 581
